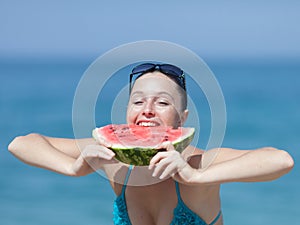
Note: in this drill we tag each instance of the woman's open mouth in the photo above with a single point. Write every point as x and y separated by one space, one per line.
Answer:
148 124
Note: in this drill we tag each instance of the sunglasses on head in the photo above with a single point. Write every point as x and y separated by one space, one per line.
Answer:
171 71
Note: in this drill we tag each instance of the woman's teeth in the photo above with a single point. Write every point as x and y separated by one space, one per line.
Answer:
147 124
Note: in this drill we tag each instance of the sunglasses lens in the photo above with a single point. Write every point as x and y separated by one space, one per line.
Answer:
172 70
143 68
175 72
167 69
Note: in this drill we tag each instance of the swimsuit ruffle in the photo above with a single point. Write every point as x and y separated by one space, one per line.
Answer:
120 212
181 216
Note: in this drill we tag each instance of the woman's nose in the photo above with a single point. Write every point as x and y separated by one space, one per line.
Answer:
148 110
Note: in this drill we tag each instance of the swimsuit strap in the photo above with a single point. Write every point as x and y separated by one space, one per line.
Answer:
126 179
178 191
181 202
216 219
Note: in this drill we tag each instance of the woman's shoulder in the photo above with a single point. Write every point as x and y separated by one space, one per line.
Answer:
193 156
205 158
200 158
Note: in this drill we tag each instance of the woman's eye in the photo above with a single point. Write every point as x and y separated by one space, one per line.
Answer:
163 103
138 102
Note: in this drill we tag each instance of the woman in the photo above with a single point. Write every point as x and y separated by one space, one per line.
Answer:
175 188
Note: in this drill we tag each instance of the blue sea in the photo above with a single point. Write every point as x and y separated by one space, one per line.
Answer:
263 109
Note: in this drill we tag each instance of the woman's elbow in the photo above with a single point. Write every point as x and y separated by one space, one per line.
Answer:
13 146
287 161
19 142
283 159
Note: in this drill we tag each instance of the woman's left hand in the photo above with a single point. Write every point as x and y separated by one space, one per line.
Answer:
170 164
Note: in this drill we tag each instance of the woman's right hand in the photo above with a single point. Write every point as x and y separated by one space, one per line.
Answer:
92 158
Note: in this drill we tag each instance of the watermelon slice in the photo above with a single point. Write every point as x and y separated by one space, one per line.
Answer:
136 145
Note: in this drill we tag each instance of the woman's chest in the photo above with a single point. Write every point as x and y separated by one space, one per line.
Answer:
151 205
155 204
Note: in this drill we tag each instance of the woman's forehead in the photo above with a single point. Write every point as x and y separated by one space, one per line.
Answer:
155 81
155 74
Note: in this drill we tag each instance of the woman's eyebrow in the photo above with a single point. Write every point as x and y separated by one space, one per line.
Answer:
167 94
158 94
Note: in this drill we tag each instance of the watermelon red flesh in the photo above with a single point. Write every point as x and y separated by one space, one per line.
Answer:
137 145
137 136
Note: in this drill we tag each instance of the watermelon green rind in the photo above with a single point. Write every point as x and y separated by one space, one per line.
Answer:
135 156
183 142
141 156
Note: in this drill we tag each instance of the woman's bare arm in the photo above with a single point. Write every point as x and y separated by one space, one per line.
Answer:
55 154
223 165
230 165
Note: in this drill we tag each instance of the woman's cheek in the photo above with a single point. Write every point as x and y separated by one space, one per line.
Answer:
133 112
131 115
169 116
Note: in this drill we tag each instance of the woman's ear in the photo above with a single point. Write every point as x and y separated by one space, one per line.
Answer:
183 117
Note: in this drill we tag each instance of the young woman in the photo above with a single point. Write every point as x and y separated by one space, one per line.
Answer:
175 188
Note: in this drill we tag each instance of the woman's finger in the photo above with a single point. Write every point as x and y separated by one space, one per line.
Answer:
159 167
103 142
168 164
171 159
97 151
157 158
167 145
168 171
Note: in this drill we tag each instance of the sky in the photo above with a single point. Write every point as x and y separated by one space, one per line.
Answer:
88 28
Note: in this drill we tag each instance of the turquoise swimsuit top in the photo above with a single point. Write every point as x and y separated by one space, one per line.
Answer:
182 214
